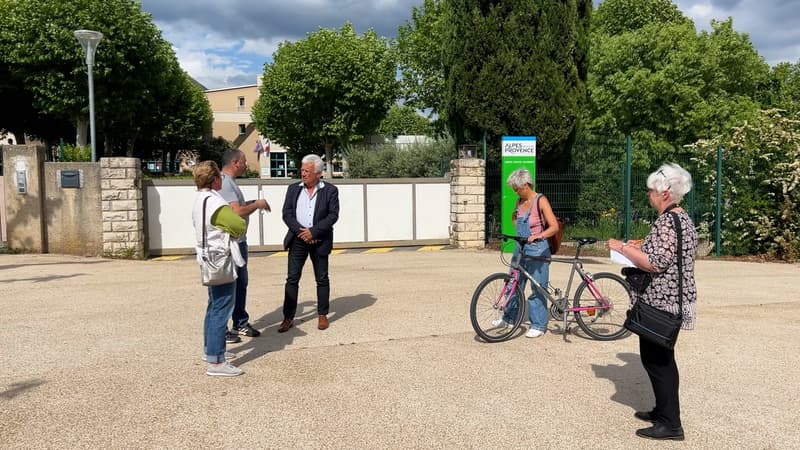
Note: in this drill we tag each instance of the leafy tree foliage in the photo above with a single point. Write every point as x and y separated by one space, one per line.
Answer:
517 67
332 88
404 120
181 119
421 59
783 88
136 75
665 84
615 17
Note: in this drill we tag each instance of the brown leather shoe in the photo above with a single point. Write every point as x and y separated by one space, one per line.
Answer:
323 322
285 325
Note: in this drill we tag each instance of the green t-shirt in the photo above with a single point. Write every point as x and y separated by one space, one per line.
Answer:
228 221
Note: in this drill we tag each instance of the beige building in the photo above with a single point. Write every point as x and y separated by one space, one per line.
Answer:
232 109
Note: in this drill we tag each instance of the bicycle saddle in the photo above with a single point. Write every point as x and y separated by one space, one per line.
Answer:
585 240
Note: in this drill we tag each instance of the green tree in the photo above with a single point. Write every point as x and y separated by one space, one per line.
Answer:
404 120
615 17
181 119
517 68
332 88
134 71
420 58
667 84
783 88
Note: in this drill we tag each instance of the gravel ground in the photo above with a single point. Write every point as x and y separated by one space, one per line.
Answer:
100 353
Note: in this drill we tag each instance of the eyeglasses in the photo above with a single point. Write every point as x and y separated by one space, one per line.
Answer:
669 185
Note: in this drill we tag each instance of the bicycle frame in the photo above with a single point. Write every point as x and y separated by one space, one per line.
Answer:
516 269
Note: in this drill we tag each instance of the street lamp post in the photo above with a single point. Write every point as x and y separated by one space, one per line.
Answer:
89 41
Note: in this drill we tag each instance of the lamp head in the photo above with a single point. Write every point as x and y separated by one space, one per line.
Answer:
89 41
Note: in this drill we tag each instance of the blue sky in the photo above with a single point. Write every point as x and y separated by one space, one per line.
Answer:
225 43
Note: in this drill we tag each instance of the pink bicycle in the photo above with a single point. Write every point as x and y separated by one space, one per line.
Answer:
599 307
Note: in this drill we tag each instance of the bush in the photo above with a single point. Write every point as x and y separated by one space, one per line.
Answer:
760 184
76 153
388 161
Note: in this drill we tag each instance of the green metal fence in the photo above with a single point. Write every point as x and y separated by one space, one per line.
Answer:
601 196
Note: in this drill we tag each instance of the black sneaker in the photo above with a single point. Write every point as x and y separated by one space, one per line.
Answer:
246 330
232 338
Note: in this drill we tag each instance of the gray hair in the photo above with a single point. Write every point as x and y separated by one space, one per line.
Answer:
230 156
316 160
519 178
671 177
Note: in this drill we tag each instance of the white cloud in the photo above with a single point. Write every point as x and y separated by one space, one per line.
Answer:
262 47
700 13
213 59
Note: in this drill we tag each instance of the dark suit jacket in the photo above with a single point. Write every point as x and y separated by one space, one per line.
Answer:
326 213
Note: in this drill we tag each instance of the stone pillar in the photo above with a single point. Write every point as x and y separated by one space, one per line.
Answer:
22 168
468 203
123 211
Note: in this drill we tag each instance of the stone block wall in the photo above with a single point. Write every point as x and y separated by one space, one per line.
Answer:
467 203
122 207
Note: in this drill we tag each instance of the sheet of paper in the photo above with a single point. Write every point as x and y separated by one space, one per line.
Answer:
619 258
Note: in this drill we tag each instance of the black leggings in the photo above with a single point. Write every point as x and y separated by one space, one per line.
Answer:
659 362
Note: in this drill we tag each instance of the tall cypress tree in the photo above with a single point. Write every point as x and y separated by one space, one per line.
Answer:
517 67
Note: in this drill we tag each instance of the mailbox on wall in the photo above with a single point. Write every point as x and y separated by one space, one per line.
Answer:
69 178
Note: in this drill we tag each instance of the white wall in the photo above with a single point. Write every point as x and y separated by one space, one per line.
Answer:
371 213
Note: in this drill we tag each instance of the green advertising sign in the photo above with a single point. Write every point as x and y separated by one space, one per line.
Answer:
517 152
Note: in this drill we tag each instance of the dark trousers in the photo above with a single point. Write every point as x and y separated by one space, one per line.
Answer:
240 316
298 253
659 362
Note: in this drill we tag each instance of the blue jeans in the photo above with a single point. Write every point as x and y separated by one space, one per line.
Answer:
540 271
240 316
220 306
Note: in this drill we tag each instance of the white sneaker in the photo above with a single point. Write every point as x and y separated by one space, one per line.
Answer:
224 369
534 333
228 355
500 323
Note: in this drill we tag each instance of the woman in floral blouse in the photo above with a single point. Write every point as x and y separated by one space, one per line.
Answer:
658 254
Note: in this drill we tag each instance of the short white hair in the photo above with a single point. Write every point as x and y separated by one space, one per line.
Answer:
671 177
316 160
519 178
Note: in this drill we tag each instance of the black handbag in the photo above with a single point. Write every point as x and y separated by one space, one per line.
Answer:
637 278
653 324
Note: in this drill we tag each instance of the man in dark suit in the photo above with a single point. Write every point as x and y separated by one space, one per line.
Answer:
309 210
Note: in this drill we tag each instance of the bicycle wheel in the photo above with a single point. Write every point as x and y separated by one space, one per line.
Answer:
601 313
489 302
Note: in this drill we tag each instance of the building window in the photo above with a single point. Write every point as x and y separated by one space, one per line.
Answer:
280 166
242 129
240 106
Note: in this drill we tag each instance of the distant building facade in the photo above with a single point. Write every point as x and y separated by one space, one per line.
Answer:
232 108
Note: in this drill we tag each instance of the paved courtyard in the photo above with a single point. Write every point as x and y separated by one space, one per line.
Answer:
99 353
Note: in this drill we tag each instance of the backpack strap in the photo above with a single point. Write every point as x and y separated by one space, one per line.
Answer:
204 223
541 216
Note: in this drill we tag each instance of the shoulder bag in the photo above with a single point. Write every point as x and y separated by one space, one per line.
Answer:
216 267
653 324
637 278
553 241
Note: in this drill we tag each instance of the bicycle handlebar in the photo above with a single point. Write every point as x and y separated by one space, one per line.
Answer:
521 240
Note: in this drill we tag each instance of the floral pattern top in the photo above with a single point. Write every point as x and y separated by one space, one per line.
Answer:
662 252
